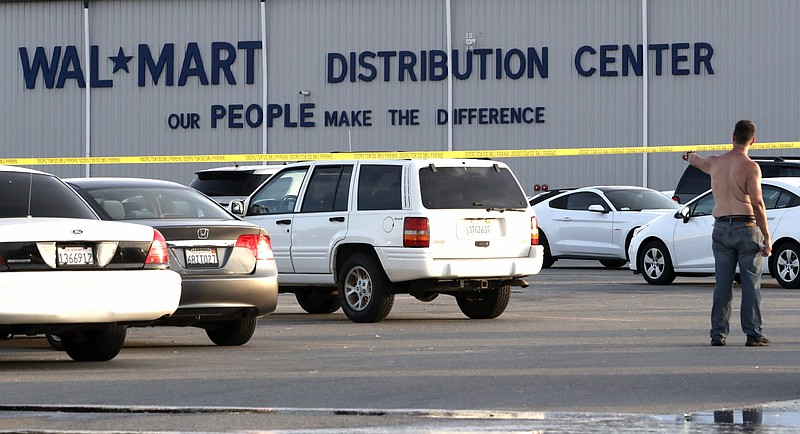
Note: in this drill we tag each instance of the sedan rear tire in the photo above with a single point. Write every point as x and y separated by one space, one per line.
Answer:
232 333
547 259
55 342
613 263
655 264
318 301
95 345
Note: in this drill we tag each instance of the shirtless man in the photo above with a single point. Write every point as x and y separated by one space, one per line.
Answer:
740 236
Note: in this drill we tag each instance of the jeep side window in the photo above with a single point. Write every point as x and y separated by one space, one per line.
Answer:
379 187
279 194
327 189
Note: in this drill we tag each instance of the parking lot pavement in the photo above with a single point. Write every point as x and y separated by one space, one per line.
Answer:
583 348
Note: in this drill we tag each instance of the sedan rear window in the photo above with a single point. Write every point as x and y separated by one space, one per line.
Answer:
228 183
37 195
136 203
467 187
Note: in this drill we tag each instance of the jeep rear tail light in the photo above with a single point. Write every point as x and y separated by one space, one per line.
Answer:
158 253
416 232
258 244
534 231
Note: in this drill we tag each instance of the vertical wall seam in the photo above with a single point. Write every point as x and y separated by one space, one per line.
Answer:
87 89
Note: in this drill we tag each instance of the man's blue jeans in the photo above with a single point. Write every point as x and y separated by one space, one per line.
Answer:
737 243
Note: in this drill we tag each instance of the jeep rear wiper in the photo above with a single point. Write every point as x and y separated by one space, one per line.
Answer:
505 209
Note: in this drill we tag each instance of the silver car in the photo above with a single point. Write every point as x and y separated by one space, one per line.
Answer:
228 270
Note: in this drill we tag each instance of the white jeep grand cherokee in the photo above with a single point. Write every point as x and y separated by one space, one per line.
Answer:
355 233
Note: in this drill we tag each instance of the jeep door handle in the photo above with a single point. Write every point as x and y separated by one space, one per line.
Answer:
336 219
283 222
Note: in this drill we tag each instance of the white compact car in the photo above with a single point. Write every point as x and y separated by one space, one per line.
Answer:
679 244
65 272
596 222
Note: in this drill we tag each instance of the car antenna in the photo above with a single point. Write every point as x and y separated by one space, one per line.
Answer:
30 193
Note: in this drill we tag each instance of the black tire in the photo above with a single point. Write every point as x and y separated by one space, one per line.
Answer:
55 342
232 333
655 264
96 345
318 301
484 304
613 263
366 294
786 265
547 259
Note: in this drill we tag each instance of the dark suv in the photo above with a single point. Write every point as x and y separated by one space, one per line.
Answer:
694 182
224 184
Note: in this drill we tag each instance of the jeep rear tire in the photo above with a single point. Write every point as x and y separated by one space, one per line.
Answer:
95 345
484 304
318 301
366 294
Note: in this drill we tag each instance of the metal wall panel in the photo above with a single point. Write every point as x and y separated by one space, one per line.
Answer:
38 122
130 119
753 77
755 46
303 32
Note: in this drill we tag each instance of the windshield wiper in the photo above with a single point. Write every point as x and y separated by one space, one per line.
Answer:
505 209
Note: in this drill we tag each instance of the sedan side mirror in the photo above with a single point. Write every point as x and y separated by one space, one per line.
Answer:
597 208
237 207
683 213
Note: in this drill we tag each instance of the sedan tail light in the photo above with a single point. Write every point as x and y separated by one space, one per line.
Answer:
534 231
159 253
416 232
258 244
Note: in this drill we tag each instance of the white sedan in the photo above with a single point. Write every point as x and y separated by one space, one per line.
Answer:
680 244
65 272
596 222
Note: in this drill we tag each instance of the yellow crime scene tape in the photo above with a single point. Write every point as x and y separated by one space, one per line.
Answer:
493 153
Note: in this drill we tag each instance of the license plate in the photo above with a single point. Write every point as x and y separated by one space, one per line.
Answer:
478 228
201 257
75 256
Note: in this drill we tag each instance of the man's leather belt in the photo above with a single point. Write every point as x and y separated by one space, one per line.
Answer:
736 218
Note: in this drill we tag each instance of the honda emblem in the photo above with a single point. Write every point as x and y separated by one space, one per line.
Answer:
202 233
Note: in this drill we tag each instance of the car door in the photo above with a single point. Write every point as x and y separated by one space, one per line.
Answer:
692 238
273 208
779 202
321 221
583 231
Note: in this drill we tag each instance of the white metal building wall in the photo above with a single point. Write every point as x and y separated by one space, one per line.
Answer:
754 62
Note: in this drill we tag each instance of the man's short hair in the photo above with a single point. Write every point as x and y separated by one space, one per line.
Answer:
744 132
